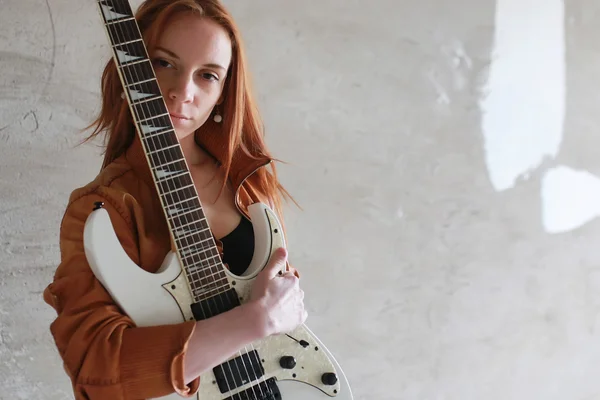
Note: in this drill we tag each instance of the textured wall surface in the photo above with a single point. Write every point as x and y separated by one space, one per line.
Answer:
444 154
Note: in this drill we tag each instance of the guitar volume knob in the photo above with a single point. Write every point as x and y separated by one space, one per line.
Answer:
287 362
329 378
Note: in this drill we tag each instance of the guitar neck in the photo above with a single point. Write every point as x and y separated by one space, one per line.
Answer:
183 211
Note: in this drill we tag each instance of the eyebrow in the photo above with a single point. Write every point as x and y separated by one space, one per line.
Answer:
210 65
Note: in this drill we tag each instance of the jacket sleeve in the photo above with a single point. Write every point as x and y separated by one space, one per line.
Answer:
104 353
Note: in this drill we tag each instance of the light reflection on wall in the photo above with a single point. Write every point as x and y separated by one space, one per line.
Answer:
523 112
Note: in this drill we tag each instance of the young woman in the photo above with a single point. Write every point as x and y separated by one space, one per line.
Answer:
199 61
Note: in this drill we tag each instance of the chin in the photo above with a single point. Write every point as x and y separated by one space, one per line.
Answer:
183 133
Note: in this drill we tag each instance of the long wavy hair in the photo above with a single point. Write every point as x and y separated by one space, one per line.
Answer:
241 127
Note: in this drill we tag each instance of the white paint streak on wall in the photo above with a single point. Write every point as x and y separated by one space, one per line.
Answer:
523 105
570 199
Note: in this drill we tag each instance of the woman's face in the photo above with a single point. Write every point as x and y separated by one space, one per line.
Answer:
191 60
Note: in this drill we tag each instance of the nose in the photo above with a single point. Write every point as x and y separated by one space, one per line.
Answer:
182 89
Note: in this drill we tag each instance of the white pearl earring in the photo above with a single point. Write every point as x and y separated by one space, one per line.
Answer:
217 118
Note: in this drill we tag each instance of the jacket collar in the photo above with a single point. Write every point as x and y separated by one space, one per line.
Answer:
242 166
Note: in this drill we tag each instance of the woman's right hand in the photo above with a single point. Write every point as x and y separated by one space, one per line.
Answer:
278 297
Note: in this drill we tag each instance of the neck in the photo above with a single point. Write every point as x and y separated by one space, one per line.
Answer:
194 154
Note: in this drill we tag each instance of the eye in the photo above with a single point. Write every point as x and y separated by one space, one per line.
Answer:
210 76
161 63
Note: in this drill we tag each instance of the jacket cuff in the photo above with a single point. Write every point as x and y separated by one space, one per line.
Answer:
152 361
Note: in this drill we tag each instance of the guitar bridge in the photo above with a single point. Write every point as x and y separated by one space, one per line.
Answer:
266 390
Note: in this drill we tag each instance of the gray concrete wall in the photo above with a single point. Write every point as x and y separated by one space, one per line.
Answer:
445 154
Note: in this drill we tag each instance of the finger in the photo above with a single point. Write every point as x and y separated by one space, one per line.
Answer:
276 262
292 280
287 275
292 270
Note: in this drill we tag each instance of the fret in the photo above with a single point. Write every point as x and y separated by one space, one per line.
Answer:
181 220
157 106
178 189
132 63
165 178
171 190
217 273
158 131
162 150
129 42
211 271
128 54
204 261
157 142
199 248
202 235
153 117
206 277
172 183
141 81
193 222
115 10
147 100
162 175
176 212
207 293
174 198
193 202
160 125
164 155
124 32
192 251
116 21
139 71
117 6
157 135
203 238
201 285
160 141
143 90
190 236
202 293
184 233
211 285
170 163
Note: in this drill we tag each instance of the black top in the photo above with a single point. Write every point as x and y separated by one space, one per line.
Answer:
238 247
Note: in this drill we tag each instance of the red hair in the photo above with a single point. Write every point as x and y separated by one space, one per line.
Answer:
241 127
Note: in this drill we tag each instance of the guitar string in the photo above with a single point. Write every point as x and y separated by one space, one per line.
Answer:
144 107
133 71
134 68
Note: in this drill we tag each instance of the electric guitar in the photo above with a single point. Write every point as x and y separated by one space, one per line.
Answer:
193 283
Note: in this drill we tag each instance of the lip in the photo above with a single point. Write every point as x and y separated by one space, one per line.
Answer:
180 116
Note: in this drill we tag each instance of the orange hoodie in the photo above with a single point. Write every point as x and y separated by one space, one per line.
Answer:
104 353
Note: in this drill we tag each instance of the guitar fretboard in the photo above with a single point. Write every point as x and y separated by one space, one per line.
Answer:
195 244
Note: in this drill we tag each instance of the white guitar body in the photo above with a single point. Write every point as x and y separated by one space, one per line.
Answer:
164 298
